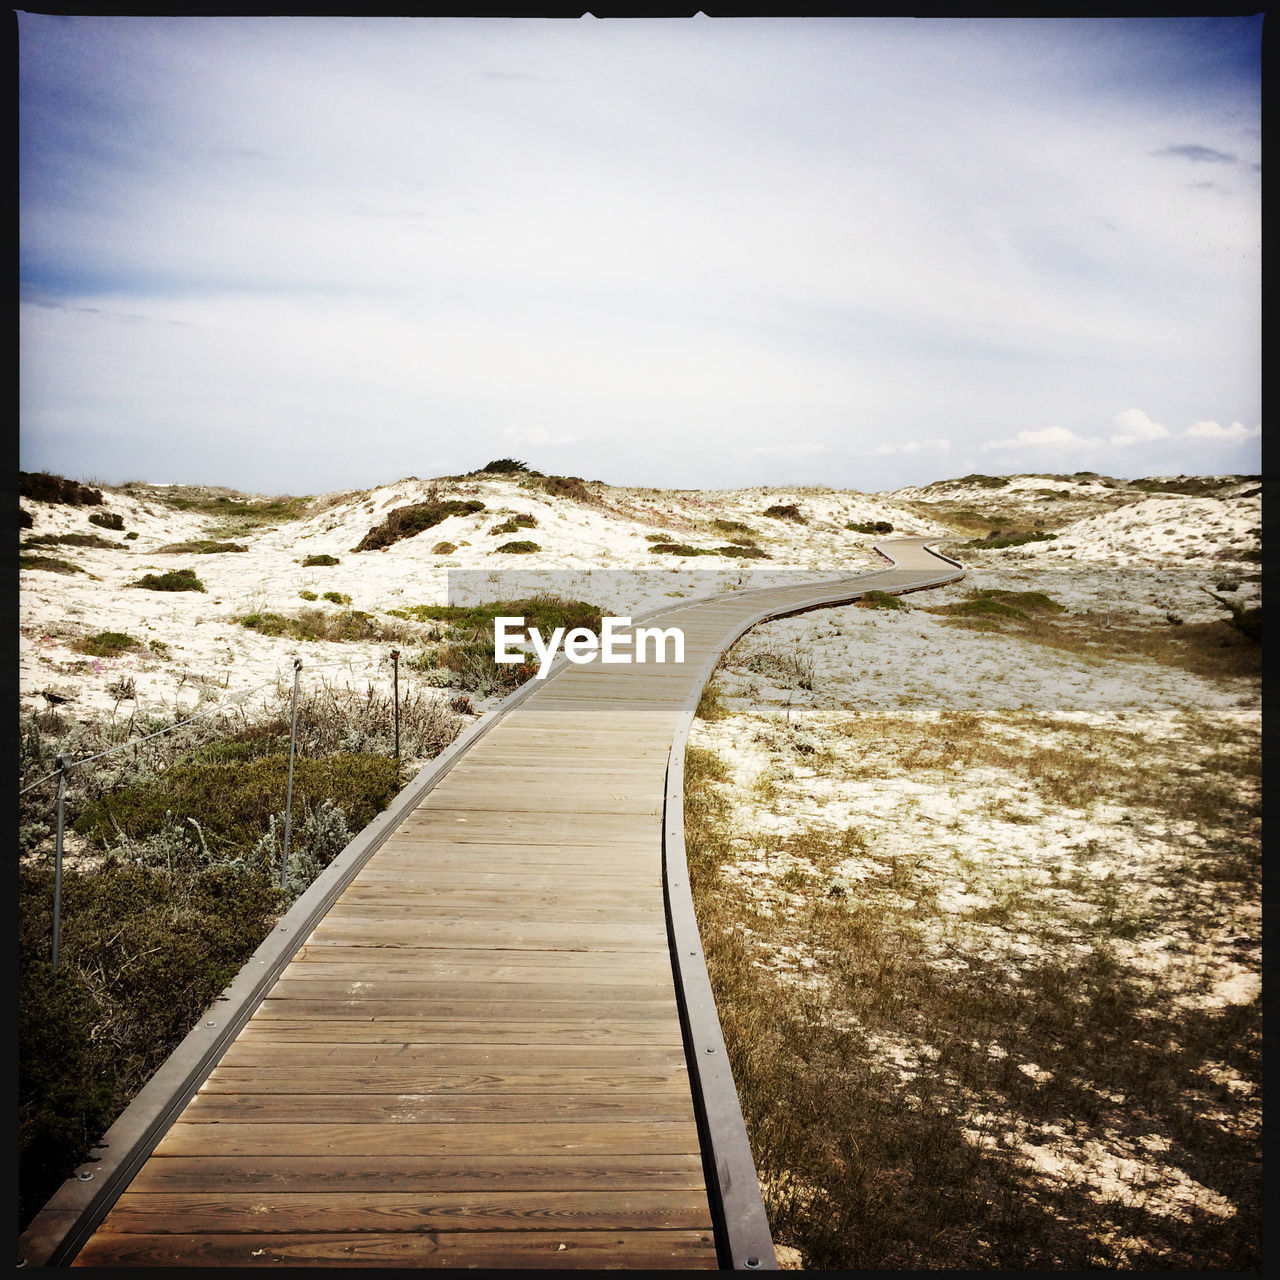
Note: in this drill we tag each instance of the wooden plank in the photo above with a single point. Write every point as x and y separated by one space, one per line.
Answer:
465 1011
383 1109
245 1212
680 1250
575 936
286 1074
660 1138
297 982
446 1031
490 964
456 1054
323 1175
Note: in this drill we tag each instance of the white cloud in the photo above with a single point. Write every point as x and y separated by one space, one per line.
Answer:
1134 426
1216 431
1044 438
931 444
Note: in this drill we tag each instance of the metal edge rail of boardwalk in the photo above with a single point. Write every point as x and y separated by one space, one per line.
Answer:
744 1240
60 1229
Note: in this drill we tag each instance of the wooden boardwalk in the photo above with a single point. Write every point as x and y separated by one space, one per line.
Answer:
477 1057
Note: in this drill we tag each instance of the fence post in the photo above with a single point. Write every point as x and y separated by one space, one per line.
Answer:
288 801
395 684
64 763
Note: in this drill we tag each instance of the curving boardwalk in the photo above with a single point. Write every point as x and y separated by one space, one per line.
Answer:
478 1056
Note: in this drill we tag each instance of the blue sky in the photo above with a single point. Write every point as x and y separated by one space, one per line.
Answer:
297 254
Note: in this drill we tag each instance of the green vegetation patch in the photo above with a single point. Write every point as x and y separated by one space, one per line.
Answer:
879 600
444 548
107 644
1192 486
336 597
237 510
998 539
869 526
174 580
504 467
320 624
519 547
308 595
143 954
680 549
994 603
310 561
107 520
742 551
41 486
51 564
786 511
201 547
237 798
572 487
731 526
71 540
514 524
408 521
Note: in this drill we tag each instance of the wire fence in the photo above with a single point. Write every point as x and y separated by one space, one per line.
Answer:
65 763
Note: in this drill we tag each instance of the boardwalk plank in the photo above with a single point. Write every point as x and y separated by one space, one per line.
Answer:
594 1250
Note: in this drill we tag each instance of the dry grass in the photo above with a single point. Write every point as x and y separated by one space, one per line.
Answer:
1007 1019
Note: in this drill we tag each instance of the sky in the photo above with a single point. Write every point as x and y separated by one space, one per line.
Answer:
314 254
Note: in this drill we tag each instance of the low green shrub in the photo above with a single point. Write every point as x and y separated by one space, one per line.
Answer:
880 600
504 467
144 952
129 537
336 597
107 520
519 548
408 521
869 526
320 624
514 524
680 549
71 540
174 580
308 595
997 540
107 644
319 560
444 548
41 486
51 564
786 511
237 798
572 487
24 519
201 547
742 551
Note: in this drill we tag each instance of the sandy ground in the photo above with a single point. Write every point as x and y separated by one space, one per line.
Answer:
198 653
820 705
